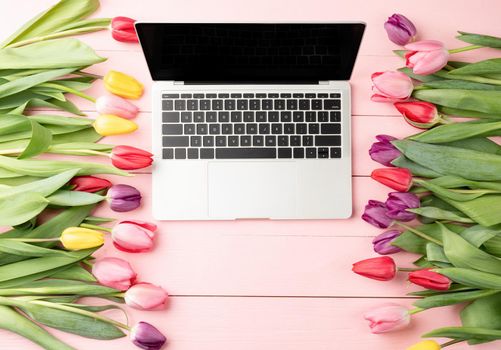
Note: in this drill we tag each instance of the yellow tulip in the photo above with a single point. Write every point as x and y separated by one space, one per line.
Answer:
123 85
78 238
109 124
425 345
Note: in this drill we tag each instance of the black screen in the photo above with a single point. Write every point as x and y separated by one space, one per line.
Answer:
250 52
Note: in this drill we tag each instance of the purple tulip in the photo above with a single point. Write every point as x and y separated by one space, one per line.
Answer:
124 198
147 337
375 214
398 203
383 151
382 242
400 29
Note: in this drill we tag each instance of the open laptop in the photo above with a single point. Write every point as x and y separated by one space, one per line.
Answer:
251 120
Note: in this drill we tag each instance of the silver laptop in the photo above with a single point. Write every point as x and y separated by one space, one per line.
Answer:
251 120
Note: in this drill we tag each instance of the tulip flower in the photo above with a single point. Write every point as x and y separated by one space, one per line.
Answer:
398 203
375 214
116 105
146 336
124 198
400 179
426 56
400 29
420 114
114 273
430 280
383 151
122 29
382 243
133 236
130 158
123 85
425 345
78 238
109 125
382 268
391 86
89 184
388 318
146 296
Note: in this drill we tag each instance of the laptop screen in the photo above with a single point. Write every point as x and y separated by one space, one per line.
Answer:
250 52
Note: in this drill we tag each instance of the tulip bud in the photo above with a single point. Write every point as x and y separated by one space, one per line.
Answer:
430 280
426 56
78 238
420 114
391 86
375 214
123 85
130 158
89 184
382 268
146 296
133 236
122 29
382 243
109 125
124 198
400 29
425 345
383 151
114 273
116 105
399 179
398 203
147 337
388 318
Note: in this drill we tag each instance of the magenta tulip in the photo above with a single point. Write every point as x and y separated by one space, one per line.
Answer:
400 29
388 318
133 236
383 151
382 242
398 203
426 56
111 104
124 198
391 86
146 336
114 273
375 214
146 296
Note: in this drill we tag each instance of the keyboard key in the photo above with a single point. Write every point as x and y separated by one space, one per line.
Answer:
167 105
211 117
291 104
236 117
311 117
316 104
285 153
227 129
264 129
335 116
170 96
186 117
180 105
298 117
180 153
311 152
323 152
172 129
170 117
249 117
313 129
323 117
334 140
232 141
285 117
285 95
192 105
283 140
220 141
176 141
332 104
211 95
270 141
217 105
301 128
168 153
245 140
214 129
276 129
307 140
224 117
198 117
208 141
298 152
298 95
252 128
260 95
304 104
273 117
323 95
248 95
202 129
289 128
261 117
335 152
335 95
198 95
258 140
239 129
295 140
267 105
192 153
223 95
196 141
330 128
204 105
236 95
242 105
279 104
254 105
245 153
207 153
310 95
229 105
273 95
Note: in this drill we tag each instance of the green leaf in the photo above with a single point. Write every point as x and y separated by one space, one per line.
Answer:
412 243
454 288
465 333
460 84
482 210
489 66
40 141
421 78
55 104
12 321
472 278
86 23
9 246
84 135
458 131
475 100
65 198
493 246
16 209
75 272
58 287
480 39
478 235
483 313
440 214
453 298
436 255
98 219
60 120
416 169
29 278
79 148
456 112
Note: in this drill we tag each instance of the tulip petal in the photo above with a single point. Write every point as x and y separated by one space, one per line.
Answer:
425 45
431 63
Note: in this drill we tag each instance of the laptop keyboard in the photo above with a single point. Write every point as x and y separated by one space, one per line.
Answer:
251 125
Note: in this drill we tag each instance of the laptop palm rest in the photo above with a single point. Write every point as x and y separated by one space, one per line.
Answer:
252 189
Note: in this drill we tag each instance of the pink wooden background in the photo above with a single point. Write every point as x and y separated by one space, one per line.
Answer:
266 284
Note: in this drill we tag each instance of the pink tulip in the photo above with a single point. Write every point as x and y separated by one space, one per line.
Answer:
388 318
133 236
391 86
426 56
114 273
116 105
146 296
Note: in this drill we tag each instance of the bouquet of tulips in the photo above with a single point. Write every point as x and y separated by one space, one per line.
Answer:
46 263
448 186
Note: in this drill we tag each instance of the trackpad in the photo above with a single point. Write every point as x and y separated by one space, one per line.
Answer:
252 189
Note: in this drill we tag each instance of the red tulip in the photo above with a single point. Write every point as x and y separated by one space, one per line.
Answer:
130 158
89 184
420 114
382 268
430 279
399 179
122 29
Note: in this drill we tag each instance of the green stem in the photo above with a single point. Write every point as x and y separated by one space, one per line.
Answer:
11 151
408 269
452 342
70 90
90 75
419 233
95 227
415 311
35 240
466 48
77 152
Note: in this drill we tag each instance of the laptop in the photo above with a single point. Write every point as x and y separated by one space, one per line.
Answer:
251 120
